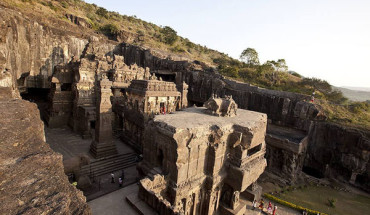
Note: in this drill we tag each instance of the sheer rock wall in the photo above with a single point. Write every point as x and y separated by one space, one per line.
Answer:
338 152
32 177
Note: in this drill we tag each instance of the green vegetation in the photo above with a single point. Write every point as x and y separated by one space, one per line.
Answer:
109 30
291 205
331 202
324 199
272 74
169 35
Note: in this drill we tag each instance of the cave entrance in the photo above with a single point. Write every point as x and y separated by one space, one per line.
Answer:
198 104
312 172
166 77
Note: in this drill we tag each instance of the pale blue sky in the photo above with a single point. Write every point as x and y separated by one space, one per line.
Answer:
328 39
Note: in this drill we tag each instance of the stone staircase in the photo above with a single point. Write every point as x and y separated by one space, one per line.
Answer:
108 165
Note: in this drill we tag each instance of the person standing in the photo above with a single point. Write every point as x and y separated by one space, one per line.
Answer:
261 204
254 204
274 211
112 176
120 181
269 208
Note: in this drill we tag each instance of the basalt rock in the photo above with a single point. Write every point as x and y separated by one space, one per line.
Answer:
338 152
32 177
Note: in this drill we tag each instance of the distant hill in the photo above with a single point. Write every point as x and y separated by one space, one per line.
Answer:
355 94
367 89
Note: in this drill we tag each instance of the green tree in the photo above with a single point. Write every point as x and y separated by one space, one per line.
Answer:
279 65
102 12
250 57
170 35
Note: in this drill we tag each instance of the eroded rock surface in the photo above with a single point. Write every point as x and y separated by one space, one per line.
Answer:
32 180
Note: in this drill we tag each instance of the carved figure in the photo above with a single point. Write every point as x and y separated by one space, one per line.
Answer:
221 106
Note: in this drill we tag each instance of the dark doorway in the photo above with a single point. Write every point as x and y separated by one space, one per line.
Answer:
92 124
167 77
66 87
160 158
312 172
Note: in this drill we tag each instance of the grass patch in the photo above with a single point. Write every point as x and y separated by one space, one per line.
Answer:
328 200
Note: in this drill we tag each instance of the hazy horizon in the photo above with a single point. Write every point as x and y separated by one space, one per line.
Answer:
323 39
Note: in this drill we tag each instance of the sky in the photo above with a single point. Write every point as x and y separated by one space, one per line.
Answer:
326 39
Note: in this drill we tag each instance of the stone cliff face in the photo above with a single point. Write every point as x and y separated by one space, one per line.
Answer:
32 180
33 49
339 152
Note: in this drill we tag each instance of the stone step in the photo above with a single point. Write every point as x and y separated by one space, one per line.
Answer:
107 171
106 168
109 164
116 158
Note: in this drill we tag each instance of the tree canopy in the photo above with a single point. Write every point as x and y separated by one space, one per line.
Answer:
170 35
250 57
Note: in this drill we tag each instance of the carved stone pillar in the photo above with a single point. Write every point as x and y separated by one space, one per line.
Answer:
103 145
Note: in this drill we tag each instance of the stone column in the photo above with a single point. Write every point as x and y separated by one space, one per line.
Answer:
103 144
183 88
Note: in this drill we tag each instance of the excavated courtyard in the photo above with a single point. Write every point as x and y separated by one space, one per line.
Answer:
72 145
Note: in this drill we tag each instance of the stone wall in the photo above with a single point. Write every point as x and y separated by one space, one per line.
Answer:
32 176
339 152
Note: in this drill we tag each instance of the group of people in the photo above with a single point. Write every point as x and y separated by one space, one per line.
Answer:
120 179
270 209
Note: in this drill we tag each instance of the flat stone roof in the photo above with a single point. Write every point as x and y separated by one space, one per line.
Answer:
283 132
194 117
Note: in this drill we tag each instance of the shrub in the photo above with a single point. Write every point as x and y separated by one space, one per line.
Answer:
331 202
50 5
102 12
178 49
229 71
109 30
140 33
64 4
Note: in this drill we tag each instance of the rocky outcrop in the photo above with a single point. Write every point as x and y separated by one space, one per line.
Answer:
27 46
78 21
338 152
32 177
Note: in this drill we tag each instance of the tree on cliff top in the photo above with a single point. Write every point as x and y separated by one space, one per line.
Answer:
170 35
250 57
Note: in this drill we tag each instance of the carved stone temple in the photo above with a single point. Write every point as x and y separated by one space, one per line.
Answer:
200 163
103 145
145 99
